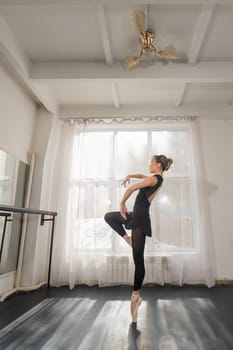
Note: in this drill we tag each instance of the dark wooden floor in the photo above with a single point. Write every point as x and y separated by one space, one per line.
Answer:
170 318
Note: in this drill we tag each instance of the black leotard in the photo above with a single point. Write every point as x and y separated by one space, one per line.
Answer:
140 216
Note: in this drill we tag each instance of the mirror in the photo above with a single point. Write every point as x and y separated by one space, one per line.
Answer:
13 184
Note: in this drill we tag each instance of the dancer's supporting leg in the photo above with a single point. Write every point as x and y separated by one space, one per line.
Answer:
116 221
138 244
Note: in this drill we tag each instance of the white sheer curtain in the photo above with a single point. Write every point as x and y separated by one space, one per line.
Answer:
206 264
91 162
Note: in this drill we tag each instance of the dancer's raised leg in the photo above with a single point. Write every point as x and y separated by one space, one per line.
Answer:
116 221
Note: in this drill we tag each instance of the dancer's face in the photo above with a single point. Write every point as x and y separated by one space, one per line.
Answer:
154 166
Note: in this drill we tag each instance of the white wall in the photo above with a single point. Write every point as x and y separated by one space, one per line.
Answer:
24 129
217 145
35 260
17 117
17 122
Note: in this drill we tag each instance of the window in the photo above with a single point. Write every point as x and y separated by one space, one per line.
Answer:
102 159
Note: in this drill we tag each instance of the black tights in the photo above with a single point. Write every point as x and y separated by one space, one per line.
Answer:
116 221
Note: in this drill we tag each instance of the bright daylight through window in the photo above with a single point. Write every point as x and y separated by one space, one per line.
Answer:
101 159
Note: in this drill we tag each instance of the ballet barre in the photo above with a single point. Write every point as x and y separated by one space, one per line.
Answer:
6 212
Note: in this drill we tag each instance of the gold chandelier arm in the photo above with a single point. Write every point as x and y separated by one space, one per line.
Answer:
132 62
154 47
141 52
155 50
169 52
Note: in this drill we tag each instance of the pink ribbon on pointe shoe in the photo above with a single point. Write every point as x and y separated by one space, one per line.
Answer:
134 307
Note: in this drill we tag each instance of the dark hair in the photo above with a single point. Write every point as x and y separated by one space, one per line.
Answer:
164 161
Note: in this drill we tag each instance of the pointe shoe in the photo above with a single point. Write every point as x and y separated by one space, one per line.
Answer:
128 240
135 303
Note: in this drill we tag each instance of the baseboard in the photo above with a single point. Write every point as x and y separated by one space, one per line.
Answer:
22 289
224 281
7 281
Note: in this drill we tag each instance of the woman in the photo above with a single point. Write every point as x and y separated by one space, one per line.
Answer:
138 220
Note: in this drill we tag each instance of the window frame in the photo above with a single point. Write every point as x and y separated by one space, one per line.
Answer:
119 247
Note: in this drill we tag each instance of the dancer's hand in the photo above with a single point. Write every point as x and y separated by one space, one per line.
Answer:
126 181
123 210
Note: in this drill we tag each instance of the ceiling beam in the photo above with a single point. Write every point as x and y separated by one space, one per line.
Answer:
15 59
201 30
146 11
115 95
202 111
180 94
110 2
101 15
12 50
53 72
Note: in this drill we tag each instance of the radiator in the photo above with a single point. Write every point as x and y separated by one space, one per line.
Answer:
120 270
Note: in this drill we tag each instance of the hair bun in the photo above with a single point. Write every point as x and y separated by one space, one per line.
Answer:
169 163
164 161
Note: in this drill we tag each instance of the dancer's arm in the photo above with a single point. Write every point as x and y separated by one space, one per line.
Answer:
134 176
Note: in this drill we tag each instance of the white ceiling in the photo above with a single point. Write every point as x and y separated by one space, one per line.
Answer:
69 54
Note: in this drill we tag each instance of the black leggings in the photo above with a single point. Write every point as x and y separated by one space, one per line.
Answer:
116 221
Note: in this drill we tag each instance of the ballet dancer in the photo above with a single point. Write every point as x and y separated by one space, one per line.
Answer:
138 220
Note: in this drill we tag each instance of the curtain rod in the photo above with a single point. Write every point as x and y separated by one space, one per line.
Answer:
120 120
